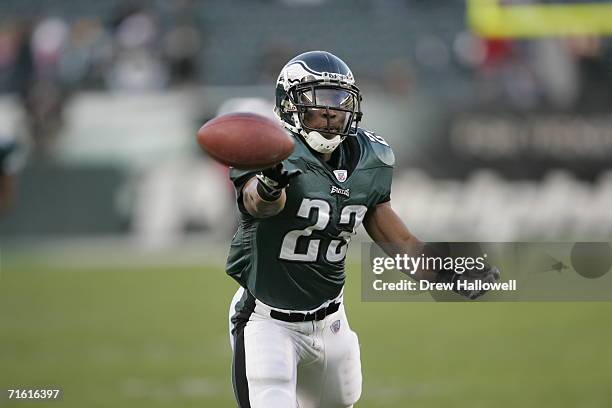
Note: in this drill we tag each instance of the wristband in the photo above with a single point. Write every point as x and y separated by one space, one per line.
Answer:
266 192
444 276
439 250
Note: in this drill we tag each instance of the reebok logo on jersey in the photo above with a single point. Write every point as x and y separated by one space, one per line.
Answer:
343 191
341 175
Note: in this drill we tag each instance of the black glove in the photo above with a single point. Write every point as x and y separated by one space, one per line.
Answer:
442 250
271 181
488 274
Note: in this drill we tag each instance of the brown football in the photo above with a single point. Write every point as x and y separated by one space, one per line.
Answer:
245 140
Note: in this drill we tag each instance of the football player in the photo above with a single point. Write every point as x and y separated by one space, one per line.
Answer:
292 344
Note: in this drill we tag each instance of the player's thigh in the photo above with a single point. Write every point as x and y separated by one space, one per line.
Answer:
270 364
343 380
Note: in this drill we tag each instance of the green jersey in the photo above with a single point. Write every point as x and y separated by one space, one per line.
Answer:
295 259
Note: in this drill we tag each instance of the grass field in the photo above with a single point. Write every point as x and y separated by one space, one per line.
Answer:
157 337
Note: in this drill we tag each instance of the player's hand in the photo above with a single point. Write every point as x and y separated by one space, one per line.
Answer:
489 274
278 177
272 180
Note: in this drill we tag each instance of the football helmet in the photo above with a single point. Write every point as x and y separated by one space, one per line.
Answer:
319 84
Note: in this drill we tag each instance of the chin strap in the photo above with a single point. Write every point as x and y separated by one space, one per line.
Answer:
321 144
314 139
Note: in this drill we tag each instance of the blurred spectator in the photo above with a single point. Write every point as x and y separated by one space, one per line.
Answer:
181 45
87 52
556 73
505 76
23 71
123 11
593 58
182 42
37 80
8 49
12 159
137 64
469 49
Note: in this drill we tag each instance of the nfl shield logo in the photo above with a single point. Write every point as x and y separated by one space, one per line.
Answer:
341 175
335 327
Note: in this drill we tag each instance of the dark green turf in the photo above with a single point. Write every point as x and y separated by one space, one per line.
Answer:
157 337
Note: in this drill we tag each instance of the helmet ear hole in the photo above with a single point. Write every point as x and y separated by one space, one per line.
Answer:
287 105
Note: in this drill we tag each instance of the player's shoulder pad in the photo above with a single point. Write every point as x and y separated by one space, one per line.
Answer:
380 149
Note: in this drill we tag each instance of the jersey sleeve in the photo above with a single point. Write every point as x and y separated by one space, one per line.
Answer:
385 198
384 160
383 189
239 179
387 181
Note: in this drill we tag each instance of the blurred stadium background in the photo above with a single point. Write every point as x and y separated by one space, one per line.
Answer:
114 225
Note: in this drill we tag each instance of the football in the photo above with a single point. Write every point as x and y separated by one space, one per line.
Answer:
245 140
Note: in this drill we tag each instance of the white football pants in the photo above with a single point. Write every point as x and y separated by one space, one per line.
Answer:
277 364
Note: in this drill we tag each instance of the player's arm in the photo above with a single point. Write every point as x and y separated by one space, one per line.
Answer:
256 205
387 229
264 195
